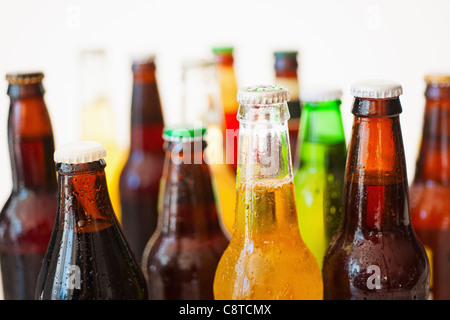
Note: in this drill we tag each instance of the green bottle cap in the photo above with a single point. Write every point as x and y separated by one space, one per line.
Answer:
177 133
218 50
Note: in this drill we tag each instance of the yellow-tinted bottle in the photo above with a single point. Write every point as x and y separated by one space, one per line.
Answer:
266 258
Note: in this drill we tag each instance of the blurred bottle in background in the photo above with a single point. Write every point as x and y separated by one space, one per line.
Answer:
202 102
97 116
430 190
27 218
286 75
141 175
228 90
319 179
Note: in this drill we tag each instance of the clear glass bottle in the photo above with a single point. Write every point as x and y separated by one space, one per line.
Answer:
266 258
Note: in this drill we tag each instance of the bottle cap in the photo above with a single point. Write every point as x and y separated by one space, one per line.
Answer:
288 53
438 79
219 50
320 94
25 78
80 152
376 89
262 94
177 133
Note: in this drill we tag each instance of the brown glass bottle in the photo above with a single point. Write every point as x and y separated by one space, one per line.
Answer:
27 218
88 257
430 190
140 178
375 253
181 258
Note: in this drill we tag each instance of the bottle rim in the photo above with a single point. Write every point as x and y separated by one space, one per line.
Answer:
183 133
263 94
376 89
25 77
79 152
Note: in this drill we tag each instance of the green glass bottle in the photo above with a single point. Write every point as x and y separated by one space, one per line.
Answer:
319 178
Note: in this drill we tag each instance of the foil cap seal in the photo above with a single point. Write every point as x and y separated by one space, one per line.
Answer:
376 89
262 94
79 152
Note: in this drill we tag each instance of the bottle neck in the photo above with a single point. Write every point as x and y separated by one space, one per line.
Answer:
83 202
265 194
189 206
321 131
30 139
147 121
433 163
376 191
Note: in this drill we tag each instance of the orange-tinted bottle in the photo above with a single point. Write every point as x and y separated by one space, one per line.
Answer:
228 90
140 178
375 253
430 190
27 218
181 258
286 75
88 257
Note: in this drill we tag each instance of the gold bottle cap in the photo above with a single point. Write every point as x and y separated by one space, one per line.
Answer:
80 152
25 78
438 79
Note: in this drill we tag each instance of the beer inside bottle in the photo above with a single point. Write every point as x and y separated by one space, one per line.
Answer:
88 257
27 218
182 256
266 258
319 179
375 253
429 192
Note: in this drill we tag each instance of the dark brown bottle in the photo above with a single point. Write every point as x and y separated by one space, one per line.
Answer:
140 178
375 253
27 218
88 257
430 190
181 257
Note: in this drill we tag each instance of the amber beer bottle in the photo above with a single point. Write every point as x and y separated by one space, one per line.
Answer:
27 218
375 253
430 190
140 178
266 258
181 258
88 257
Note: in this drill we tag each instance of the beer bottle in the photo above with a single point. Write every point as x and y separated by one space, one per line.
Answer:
228 90
286 75
375 253
27 218
97 117
88 257
266 257
140 178
201 91
319 179
429 192
180 259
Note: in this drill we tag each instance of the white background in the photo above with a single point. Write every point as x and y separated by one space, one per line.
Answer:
339 42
